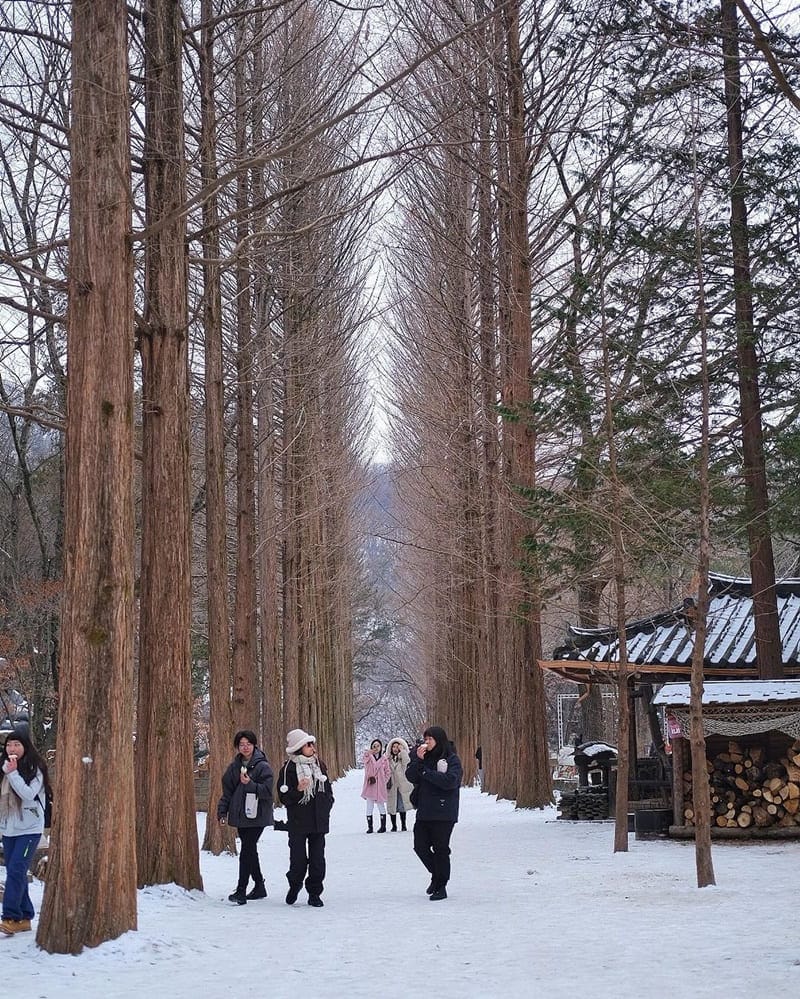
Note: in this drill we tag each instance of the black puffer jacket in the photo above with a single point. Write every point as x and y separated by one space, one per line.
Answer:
232 802
435 793
314 815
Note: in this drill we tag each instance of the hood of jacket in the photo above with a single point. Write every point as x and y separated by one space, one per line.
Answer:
401 742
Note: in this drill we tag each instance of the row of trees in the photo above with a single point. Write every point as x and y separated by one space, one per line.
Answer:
214 425
554 473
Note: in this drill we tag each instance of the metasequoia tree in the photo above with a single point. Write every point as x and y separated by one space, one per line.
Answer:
246 700
437 447
90 895
306 285
166 830
266 458
486 252
701 789
218 838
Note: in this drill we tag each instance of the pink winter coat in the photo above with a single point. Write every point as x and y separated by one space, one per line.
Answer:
379 769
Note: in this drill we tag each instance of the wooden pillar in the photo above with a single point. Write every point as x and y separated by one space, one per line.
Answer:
633 752
678 766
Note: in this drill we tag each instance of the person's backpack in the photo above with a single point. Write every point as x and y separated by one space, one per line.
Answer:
47 801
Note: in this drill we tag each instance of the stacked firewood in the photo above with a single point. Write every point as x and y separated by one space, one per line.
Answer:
748 791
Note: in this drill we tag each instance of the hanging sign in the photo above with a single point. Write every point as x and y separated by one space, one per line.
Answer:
674 730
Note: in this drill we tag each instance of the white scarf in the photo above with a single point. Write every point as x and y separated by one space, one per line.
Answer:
308 766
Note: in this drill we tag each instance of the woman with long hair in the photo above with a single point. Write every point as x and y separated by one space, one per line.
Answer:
435 771
23 793
399 787
376 778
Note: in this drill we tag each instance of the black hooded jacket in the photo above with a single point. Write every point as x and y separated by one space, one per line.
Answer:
436 793
232 802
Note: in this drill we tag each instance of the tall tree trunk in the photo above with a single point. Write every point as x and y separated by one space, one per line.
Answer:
90 896
769 653
489 733
267 461
701 792
626 747
218 838
167 847
534 789
246 700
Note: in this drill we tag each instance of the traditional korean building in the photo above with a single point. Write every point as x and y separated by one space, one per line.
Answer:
751 742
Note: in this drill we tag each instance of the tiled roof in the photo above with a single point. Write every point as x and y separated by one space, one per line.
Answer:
668 638
731 692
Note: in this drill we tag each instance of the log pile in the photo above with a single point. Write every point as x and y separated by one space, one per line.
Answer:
584 803
748 791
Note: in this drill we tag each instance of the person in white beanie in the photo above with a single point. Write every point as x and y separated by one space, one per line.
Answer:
307 793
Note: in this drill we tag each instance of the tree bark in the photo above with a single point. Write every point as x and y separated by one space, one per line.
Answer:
218 838
167 847
534 789
90 895
246 700
769 654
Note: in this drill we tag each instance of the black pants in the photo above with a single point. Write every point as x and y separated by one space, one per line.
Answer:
432 846
306 856
249 866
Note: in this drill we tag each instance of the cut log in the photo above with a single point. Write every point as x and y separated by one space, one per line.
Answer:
761 817
744 819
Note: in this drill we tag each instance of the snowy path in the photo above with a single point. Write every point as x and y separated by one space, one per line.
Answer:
537 907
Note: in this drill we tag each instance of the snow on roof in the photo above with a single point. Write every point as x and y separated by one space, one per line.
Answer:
731 692
667 638
595 748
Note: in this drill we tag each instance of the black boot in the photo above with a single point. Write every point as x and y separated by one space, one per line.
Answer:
394 822
383 824
291 895
438 894
238 897
259 890
403 821
369 823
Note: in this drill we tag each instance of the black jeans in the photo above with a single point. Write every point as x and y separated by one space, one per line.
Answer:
432 846
306 856
249 866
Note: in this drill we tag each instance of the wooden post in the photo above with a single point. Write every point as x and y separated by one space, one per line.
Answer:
678 766
633 739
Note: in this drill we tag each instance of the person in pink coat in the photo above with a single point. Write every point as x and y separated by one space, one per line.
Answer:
376 777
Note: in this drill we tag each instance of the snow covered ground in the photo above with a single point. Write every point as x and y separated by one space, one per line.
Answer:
537 907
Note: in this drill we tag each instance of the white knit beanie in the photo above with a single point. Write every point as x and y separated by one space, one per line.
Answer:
296 739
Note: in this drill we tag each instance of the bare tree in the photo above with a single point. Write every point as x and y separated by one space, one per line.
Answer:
167 848
91 890
218 838
762 562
